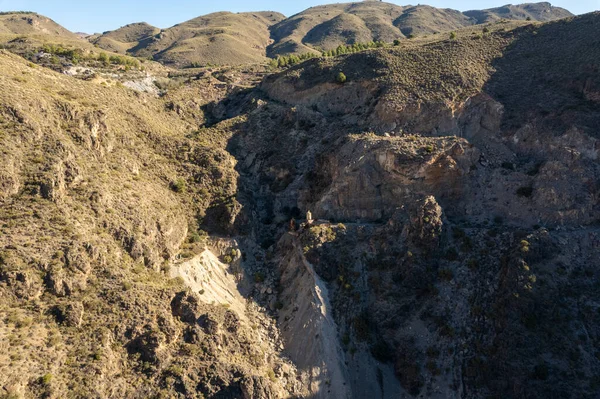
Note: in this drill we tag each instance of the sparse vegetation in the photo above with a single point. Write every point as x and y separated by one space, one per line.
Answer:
526 191
179 185
290 60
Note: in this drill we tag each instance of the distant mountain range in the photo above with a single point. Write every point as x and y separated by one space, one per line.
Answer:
228 38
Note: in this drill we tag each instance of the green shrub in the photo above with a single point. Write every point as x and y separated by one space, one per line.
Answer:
397 42
361 327
472 264
452 35
46 379
282 61
227 259
341 78
179 186
541 372
445 274
195 238
103 58
259 277
452 254
526 191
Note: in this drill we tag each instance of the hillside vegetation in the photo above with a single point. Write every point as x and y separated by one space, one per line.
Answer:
101 189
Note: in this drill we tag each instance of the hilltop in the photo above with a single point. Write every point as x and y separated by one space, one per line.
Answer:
125 38
29 23
534 11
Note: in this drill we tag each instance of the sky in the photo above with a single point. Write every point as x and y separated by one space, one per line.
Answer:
99 16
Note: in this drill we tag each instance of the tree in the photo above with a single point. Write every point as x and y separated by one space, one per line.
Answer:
341 78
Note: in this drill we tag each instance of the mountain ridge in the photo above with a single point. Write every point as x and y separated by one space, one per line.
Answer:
316 29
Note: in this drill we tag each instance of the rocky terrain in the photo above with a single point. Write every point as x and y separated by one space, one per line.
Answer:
426 226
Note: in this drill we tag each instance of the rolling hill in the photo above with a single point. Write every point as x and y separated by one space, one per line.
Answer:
326 27
219 38
535 11
125 38
227 38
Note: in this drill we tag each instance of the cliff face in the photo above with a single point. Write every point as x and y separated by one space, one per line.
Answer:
448 219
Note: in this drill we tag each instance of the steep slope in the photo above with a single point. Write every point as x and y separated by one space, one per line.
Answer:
101 192
454 183
125 38
535 11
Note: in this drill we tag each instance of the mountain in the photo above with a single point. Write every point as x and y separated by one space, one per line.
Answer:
330 25
534 11
326 27
418 220
29 23
220 38
84 275
226 38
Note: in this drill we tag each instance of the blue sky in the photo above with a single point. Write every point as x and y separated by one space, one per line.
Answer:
98 16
